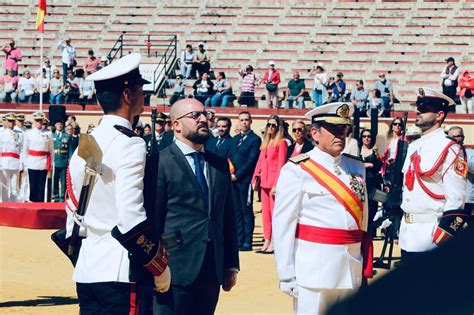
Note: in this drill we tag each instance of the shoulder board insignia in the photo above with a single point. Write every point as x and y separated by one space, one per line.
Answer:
299 158
460 167
129 133
353 157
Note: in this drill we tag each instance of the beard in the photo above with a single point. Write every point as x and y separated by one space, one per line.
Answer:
425 124
199 136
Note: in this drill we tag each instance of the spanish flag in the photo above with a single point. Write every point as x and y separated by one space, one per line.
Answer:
40 15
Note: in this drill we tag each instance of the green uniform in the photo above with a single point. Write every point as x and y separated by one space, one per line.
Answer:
61 157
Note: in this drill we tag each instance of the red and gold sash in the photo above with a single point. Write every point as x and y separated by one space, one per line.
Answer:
337 188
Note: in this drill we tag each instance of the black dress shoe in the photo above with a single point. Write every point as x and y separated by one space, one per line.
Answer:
265 252
245 248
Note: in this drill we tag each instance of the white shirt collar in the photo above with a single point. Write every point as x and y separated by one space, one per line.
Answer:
186 149
434 133
322 157
115 120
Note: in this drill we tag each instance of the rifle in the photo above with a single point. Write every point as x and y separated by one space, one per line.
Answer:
90 151
392 209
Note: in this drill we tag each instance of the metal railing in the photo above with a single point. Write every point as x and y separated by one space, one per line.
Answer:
165 53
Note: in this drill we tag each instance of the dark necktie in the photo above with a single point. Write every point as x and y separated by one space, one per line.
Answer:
219 142
242 137
201 179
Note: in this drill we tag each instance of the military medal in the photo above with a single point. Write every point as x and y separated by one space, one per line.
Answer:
358 186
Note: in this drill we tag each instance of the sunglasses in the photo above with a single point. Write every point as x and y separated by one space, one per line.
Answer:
396 124
366 136
272 125
381 76
297 130
197 114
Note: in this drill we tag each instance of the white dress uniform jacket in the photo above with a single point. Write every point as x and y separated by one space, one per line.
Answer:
426 211
38 140
11 164
11 142
116 200
300 199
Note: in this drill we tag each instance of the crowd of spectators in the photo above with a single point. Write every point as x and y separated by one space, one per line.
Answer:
215 90
57 85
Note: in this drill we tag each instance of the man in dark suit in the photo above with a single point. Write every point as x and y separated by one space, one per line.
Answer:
220 145
195 204
163 138
243 155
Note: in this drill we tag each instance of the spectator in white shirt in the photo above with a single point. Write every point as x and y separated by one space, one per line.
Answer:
320 94
42 85
26 87
187 57
449 77
48 68
86 90
68 55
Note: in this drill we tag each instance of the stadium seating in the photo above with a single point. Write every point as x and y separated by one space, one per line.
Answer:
408 39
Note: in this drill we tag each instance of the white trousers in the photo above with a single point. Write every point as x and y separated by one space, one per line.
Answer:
317 301
24 193
10 189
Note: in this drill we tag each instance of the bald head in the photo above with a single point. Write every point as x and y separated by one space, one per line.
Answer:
184 106
190 122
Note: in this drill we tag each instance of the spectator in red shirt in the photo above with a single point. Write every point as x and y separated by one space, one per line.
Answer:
272 79
92 62
12 57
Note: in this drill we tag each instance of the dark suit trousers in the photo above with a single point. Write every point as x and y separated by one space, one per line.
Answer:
200 297
37 184
106 298
59 183
244 213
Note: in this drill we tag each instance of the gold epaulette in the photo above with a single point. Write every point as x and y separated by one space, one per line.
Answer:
299 158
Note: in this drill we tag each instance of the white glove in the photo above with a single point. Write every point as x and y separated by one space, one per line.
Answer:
163 281
385 224
378 215
289 287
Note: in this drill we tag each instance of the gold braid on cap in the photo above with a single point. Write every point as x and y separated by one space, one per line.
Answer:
343 111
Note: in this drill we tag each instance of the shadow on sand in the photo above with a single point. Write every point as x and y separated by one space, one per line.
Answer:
42 301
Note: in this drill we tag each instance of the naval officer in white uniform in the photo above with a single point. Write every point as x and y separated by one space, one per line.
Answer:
320 217
434 190
115 223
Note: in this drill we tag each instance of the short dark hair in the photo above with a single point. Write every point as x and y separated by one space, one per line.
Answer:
147 126
90 52
245 113
378 94
109 98
189 46
222 74
227 119
361 82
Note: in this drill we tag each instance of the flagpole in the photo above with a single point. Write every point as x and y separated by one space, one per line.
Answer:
41 74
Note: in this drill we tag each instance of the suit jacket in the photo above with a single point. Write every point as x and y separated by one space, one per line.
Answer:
271 160
245 157
223 150
166 140
307 146
181 207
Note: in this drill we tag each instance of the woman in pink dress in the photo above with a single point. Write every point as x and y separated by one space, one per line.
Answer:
272 158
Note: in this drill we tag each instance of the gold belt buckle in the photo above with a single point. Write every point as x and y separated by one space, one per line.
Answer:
408 217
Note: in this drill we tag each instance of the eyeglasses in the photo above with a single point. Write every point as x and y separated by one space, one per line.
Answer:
396 124
272 125
297 130
366 136
197 114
